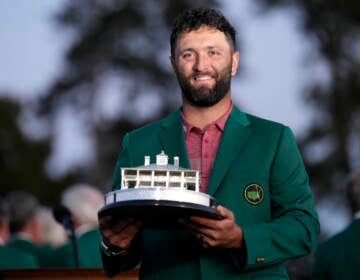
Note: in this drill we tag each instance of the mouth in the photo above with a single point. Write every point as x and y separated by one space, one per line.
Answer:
203 79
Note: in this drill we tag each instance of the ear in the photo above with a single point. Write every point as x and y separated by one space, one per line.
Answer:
235 63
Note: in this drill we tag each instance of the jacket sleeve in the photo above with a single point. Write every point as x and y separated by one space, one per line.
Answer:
115 264
293 229
124 160
320 266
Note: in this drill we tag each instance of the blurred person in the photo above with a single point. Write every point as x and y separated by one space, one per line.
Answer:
12 258
26 226
251 166
339 256
52 232
83 202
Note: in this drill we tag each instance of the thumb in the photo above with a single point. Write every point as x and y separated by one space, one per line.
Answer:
224 212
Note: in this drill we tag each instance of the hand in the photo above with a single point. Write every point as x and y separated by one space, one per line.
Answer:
119 233
212 233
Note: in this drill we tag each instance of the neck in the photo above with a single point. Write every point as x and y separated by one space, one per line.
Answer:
22 235
31 231
202 117
84 228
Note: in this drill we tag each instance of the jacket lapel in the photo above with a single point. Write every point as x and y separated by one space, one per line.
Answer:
236 132
172 138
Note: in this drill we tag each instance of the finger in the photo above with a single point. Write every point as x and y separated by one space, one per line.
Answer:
120 225
104 221
124 238
133 227
199 231
205 241
224 212
193 225
204 222
109 221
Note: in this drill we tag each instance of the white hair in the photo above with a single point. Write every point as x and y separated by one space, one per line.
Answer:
83 201
52 232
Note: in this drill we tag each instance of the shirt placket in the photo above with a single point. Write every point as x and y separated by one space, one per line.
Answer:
206 160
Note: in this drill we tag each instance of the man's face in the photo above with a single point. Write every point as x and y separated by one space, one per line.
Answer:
204 63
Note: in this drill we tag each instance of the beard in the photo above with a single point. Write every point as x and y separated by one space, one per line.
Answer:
205 96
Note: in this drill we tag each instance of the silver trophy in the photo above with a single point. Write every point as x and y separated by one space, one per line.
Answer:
159 194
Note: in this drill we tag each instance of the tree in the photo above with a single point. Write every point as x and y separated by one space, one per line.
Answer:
121 46
22 159
331 144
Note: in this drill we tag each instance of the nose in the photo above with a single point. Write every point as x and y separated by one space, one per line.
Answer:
201 63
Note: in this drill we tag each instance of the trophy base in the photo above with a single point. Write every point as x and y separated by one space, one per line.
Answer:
158 214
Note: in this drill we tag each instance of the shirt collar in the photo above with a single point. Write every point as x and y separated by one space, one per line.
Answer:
219 123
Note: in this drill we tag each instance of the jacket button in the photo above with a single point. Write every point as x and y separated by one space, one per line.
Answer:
260 260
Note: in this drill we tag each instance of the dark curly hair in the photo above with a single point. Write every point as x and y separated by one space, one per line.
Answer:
193 19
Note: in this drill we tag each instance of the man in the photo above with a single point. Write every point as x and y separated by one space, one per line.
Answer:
26 226
339 257
237 154
53 233
11 258
83 202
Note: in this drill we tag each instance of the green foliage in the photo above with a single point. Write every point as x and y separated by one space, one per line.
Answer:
22 160
335 129
128 40
334 26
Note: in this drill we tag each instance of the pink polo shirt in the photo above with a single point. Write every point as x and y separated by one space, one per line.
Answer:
202 146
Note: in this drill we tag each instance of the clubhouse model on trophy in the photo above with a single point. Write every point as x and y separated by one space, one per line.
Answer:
159 194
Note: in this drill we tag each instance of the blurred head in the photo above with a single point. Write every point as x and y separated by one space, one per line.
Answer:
353 191
203 56
23 209
52 232
83 201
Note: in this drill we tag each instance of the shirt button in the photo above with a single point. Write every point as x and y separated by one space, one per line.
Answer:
206 140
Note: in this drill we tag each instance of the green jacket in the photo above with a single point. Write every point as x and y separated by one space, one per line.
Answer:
11 258
254 155
339 257
42 253
88 248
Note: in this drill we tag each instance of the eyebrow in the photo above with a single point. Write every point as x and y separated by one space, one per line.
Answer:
193 50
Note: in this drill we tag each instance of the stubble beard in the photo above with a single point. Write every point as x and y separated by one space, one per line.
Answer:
204 96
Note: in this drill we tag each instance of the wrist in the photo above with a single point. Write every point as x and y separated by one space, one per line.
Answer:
112 251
